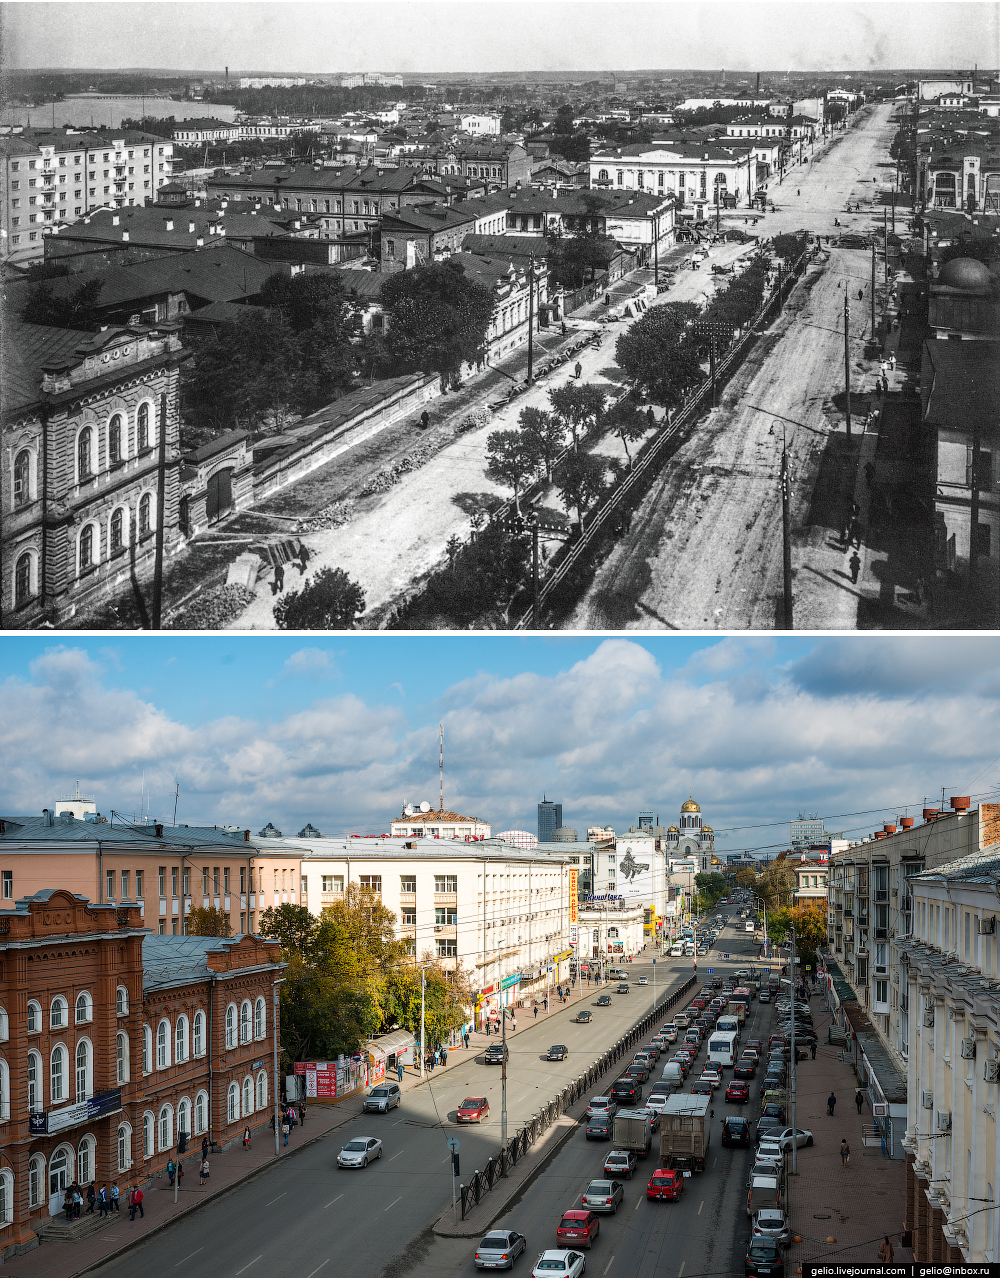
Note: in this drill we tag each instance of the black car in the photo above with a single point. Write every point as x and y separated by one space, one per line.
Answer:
557 1052
764 1259
627 1091
583 1018
744 1069
496 1054
638 1071
599 1127
622 988
735 1131
604 1000
701 1087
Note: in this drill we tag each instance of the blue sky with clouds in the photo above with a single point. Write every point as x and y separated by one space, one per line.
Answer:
341 730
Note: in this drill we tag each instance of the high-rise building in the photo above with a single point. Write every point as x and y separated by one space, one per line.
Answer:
806 831
549 819
646 820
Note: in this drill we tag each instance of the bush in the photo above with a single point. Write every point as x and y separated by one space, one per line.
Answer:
331 601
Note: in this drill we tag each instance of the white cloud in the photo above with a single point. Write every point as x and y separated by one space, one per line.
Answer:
310 663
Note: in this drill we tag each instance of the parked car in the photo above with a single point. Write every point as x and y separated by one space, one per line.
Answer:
496 1054
773 1109
770 1222
604 1196
764 1259
604 1000
578 1228
473 1109
665 1182
737 1093
602 1105
559 1264
801 1138
382 1098
499 1249
735 1131
621 1163
768 1128
360 1151
557 1052
583 1018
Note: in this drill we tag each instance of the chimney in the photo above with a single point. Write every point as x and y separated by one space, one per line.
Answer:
46 816
190 228
116 220
170 224
961 803
906 823
931 813
889 829
197 204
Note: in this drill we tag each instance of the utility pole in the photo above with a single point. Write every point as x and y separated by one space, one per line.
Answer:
423 990
161 489
873 291
654 987
656 249
847 357
795 1143
531 312
885 241
786 535
536 609
503 1072
275 1022
974 509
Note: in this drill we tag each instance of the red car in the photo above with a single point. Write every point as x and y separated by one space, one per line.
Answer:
737 1093
579 1228
473 1109
665 1183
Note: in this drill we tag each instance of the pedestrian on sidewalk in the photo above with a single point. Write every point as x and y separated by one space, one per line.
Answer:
91 1198
855 566
892 361
171 1170
180 1177
102 1201
77 1201
444 1056
284 1131
885 1252
466 1037
859 1100
545 1001
487 1027
845 1153
278 583
302 1113
399 1070
246 1136
204 1146
812 1048
536 1011
578 369
116 1194
135 1203
68 1203
203 1171
831 1104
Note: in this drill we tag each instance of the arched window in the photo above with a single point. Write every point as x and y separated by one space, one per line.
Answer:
83 1058
115 439
147 1048
4 1026
181 1039
34 1017
36 1181
57 1075
166 1125
6 1198
247 1096
233 1103
84 464
86 547
34 1083
262 1090
163 1045
59 1169
183 1116
121 1058
231 1025
22 579
22 478
200 1113
145 513
121 1001
142 428
124 1147
84 1008
199 1033
259 1018
147 1135
4 1091
117 530
85 1160
57 1013
245 1022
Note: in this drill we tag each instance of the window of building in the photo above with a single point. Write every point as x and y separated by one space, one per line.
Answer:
181 1039
447 948
163 879
84 1008
124 1147
259 1018
262 1090
57 1075
85 1160
142 428
163 1045
247 1097
183 1116
147 1048
166 1126
407 883
138 885
199 1034
445 882
83 1058
233 1103
245 1022
200 1113
231 1025
84 456
57 1013
86 547
147 1135
36 1179
121 1058
173 882
22 477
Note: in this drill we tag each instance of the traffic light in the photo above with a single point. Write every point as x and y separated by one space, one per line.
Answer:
182 1142
454 1163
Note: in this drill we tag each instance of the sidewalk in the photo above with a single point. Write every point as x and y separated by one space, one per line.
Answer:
840 1215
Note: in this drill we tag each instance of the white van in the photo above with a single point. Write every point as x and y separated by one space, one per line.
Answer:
722 1047
727 1025
672 1073
676 950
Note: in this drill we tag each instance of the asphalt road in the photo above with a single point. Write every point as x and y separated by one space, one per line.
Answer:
305 1216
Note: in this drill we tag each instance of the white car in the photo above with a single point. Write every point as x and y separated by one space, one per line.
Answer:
360 1151
769 1222
655 1105
602 1105
559 1264
711 1075
643 980
801 1138
669 1033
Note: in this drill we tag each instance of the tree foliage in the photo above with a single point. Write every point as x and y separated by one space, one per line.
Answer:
514 459
711 888
658 353
548 434
578 406
75 310
626 420
580 481
330 601
437 320
208 922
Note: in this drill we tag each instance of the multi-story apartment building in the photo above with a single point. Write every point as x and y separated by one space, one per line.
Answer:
810 882
500 912
421 821
113 1042
805 832
51 177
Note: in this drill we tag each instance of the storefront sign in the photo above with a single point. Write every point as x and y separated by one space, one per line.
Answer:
60 1120
607 896
574 876
513 979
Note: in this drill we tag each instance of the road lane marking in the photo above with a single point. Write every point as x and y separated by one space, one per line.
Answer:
395 1201
681 1270
187 1258
395 1156
700 1205
637 1202
333 1200
318 1268
714 1165
610 1263
246 1267
274 1200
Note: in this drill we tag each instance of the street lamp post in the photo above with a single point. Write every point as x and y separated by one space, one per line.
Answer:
423 989
274 1030
786 529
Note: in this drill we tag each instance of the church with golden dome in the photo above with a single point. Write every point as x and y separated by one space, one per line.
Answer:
691 838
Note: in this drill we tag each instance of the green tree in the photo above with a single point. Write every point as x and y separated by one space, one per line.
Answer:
437 320
75 310
293 926
580 479
657 355
625 420
711 888
513 460
548 434
579 406
331 601
208 922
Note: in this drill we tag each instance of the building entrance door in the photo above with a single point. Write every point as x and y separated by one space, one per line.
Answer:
219 500
58 1180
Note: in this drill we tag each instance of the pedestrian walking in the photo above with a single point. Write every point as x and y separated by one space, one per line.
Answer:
102 1201
812 1048
116 1194
845 1153
68 1203
171 1170
303 558
135 1203
444 1056
278 581
465 1036
246 1137
892 361
91 1199
77 1201
859 1100
399 1070
284 1131
831 1104
855 566
578 369
302 1113
536 1011
545 1001
203 1171
425 419
861 293
180 1176
885 1252
487 1027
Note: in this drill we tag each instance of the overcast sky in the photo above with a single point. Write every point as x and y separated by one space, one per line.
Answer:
342 732
479 35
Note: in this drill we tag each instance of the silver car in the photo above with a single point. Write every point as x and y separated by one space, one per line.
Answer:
360 1151
602 1105
382 1098
769 1222
620 1162
603 1196
499 1249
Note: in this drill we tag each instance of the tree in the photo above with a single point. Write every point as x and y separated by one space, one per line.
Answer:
208 922
579 406
574 147
437 320
293 926
548 434
625 420
331 601
657 355
810 931
448 999
711 888
513 459
76 310
580 479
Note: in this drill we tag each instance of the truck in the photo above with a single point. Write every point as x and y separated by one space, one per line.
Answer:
685 1131
634 1130
737 1008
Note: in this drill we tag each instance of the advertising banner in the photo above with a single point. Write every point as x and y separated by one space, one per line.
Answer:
85 1111
635 870
574 876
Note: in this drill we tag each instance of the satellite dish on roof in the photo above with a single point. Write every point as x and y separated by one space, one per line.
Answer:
408 810
425 806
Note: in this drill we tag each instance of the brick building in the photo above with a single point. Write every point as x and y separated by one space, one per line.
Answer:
112 1043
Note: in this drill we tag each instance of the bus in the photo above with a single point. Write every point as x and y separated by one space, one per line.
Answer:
748 925
722 1048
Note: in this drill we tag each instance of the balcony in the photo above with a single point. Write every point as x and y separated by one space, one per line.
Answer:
881 894
848 914
881 934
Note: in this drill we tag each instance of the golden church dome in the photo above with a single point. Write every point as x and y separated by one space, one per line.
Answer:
689 805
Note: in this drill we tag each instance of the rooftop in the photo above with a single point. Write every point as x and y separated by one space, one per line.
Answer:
179 960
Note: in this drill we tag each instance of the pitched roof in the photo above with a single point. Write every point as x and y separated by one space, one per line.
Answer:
591 202
513 246
149 225
431 217
178 960
960 385
27 347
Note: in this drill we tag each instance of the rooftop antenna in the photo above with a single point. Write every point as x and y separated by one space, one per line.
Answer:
441 763
142 794
177 792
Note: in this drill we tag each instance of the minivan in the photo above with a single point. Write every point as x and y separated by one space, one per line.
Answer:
764 1192
672 1074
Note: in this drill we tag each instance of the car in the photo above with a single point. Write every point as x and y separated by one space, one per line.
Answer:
768 1128
653 1049
643 980
737 1093
604 1000
682 1020
622 988
665 1182
656 1102
764 997
801 1138
669 1033
620 1162
360 1151
639 1070
770 1222
557 1052
604 1196
579 1228
599 1127
496 1054
382 1098
735 1131
627 1090
559 1264
499 1249
755 1043
473 1109
764 1259
702 949
583 1018
602 1105
770 1152
773 1109
712 1072
703 1087
745 1067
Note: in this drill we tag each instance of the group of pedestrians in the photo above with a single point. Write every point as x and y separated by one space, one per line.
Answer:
288 1120
105 1198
